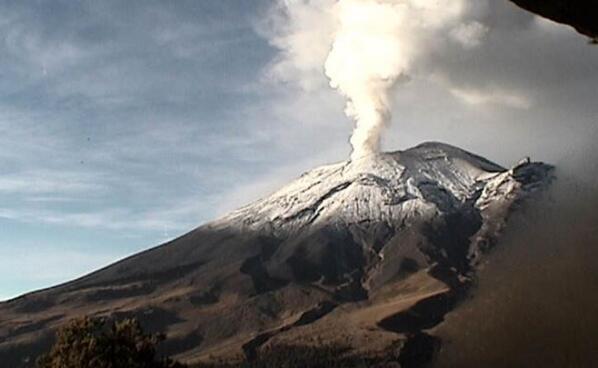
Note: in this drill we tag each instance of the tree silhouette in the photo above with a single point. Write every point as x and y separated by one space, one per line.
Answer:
94 343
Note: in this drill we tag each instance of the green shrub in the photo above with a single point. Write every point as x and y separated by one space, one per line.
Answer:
94 343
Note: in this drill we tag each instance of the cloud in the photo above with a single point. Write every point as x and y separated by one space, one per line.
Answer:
49 182
492 96
470 34
173 218
302 32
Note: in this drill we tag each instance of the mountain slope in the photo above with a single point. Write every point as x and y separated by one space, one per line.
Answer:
347 254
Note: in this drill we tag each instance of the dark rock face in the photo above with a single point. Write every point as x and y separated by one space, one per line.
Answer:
364 254
580 14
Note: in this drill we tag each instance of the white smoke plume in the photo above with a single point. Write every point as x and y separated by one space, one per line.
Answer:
365 47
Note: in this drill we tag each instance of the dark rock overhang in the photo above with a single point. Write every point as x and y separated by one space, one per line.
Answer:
580 14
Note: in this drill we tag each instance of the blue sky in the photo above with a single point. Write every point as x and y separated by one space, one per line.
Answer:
125 124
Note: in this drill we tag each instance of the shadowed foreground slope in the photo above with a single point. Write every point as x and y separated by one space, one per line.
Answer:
537 294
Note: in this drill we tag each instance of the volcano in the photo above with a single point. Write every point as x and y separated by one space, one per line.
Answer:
363 255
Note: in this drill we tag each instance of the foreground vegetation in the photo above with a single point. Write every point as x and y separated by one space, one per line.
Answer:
99 343
95 343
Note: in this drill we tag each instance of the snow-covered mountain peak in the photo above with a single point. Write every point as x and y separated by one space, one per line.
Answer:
389 187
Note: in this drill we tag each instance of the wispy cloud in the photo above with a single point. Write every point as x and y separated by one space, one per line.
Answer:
469 34
49 182
120 219
492 96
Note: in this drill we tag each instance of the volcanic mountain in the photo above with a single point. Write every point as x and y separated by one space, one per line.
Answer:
362 255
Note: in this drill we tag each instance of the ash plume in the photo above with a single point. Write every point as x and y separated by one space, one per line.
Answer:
365 48
376 41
